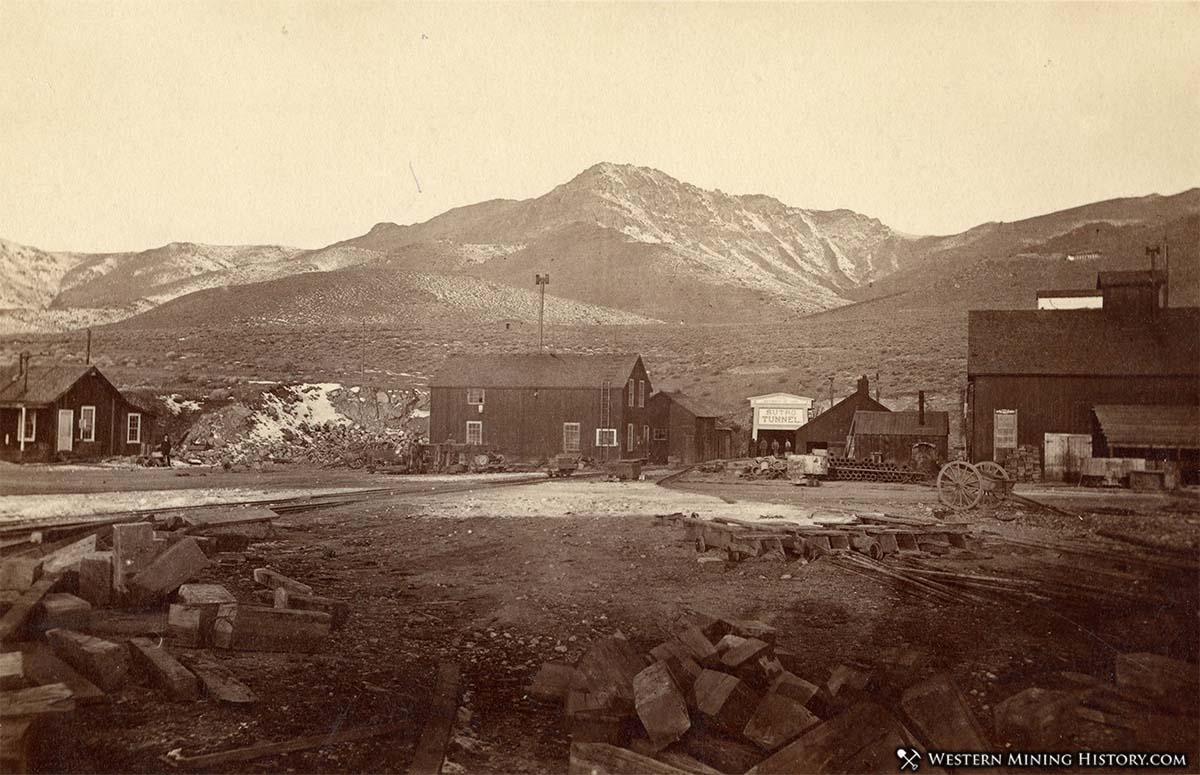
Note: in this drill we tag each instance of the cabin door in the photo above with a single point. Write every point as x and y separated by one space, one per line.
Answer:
66 429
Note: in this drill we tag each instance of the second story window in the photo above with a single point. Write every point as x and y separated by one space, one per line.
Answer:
475 396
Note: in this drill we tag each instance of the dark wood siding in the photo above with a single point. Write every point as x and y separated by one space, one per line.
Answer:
1061 404
830 428
895 449
526 423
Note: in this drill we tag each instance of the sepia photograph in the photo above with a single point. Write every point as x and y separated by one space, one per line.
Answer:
599 388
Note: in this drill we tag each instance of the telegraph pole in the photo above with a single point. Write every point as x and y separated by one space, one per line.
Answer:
541 280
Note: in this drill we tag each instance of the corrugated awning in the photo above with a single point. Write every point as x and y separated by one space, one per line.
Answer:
1167 427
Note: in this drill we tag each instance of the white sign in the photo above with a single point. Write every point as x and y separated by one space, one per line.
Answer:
781 417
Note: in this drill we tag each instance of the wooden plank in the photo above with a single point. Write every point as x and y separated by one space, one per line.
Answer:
257 628
941 717
15 739
218 682
198 520
862 739
777 720
103 662
275 580
608 668
443 708
68 557
19 573
660 705
164 670
43 667
62 609
36 700
96 578
724 701
169 570
12 624
338 610
118 623
12 670
604 759
190 621
309 742
133 550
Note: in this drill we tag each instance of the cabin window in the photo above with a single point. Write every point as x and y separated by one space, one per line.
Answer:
646 435
475 396
87 423
660 434
629 438
629 392
641 393
570 437
606 437
133 430
29 432
474 432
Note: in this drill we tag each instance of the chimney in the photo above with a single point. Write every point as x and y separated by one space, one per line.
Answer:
864 386
24 370
921 407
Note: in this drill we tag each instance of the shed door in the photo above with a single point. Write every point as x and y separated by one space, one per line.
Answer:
66 429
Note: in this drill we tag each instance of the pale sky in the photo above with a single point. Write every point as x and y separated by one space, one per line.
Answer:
127 125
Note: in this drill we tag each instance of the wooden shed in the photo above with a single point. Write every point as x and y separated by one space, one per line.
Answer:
828 430
913 439
534 406
69 411
687 430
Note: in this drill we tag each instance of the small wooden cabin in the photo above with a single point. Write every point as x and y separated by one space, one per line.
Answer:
913 439
686 430
68 411
829 429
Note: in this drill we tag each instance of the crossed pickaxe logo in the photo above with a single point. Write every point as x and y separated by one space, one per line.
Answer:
909 759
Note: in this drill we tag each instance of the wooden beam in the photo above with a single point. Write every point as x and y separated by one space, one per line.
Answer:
50 698
443 708
604 759
164 670
43 667
252 752
219 683
14 620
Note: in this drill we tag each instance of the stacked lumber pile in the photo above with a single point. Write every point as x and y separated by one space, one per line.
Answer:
83 619
764 468
875 535
721 696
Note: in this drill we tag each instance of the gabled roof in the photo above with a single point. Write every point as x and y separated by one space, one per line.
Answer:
1081 342
1168 427
694 406
899 424
535 370
45 384
786 397
1131 277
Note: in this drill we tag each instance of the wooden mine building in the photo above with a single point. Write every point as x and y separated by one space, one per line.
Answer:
1035 377
830 429
914 439
687 430
534 406
68 411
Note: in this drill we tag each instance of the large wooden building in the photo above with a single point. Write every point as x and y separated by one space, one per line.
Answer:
1038 375
67 411
830 429
687 430
535 406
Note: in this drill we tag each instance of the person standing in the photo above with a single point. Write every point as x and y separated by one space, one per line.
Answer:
165 449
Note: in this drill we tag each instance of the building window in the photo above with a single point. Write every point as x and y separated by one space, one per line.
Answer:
133 431
606 437
660 434
474 432
646 435
570 437
29 432
629 436
87 423
641 393
475 396
629 392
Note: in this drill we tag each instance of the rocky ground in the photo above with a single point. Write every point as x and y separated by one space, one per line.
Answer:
441 577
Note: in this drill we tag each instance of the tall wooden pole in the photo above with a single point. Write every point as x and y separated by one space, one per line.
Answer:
541 280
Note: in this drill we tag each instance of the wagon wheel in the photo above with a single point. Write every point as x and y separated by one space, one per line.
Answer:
960 485
996 482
